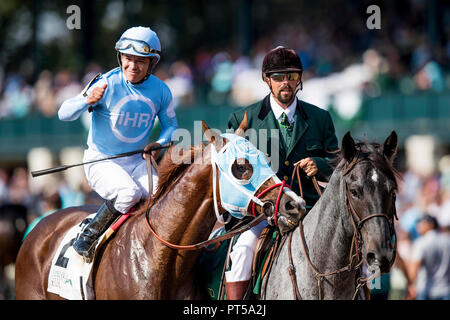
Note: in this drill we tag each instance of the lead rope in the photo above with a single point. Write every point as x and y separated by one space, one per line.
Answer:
291 268
317 274
296 172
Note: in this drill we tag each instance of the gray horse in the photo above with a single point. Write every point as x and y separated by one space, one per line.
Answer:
351 224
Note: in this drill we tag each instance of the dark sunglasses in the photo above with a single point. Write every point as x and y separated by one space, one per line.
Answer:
278 76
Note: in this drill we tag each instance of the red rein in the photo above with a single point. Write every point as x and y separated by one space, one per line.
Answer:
282 185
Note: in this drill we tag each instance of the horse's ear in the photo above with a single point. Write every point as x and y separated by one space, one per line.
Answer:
348 147
242 127
390 146
212 136
208 132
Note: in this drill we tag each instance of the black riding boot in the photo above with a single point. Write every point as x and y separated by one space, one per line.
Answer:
85 243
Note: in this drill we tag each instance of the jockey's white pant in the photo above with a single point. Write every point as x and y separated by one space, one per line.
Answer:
242 254
125 178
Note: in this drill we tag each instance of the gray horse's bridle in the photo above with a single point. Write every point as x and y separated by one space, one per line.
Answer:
358 223
357 241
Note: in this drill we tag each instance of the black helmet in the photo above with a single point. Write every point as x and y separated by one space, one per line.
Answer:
281 59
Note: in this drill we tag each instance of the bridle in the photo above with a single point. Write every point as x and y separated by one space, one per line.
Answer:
355 256
357 222
234 231
273 219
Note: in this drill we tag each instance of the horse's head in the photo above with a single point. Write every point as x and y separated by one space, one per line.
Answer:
370 186
247 183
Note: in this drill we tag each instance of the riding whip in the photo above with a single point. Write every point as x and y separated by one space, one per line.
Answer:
125 154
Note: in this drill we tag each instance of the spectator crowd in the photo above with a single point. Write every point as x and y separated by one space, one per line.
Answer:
341 65
423 234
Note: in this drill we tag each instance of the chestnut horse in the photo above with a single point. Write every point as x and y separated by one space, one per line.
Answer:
134 264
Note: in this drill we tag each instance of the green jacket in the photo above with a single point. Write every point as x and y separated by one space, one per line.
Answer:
313 136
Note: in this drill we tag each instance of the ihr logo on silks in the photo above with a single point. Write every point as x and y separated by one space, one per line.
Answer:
129 116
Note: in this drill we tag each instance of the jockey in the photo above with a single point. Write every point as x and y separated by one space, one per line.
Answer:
124 103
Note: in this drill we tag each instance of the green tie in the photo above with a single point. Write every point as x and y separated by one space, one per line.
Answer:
284 121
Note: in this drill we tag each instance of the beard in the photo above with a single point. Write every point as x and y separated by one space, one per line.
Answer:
285 97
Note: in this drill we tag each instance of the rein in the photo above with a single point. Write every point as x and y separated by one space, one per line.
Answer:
296 172
355 259
206 243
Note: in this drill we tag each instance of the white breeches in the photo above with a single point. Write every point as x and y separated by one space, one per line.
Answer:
125 178
242 254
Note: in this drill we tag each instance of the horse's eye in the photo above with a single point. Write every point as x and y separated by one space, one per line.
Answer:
242 169
354 192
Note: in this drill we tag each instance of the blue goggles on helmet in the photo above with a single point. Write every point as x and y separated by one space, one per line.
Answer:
139 46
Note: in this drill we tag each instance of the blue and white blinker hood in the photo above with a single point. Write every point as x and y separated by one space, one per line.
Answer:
235 194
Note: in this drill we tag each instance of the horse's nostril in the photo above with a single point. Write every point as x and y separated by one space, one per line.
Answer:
371 258
268 208
290 205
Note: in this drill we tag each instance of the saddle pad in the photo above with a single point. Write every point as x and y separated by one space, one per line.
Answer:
69 273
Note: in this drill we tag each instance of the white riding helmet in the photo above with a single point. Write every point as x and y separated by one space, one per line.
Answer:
140 41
